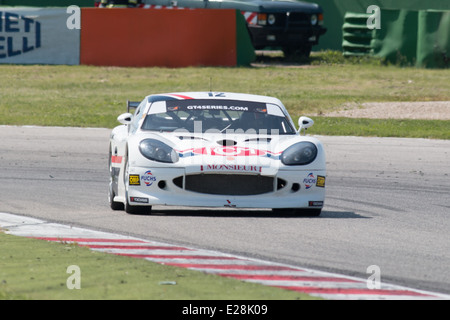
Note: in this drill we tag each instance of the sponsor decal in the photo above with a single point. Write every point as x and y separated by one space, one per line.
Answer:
134 180
138 200
315 203
229 151
320 182
309 181
18 34
216 107
148 178
213 104
231 167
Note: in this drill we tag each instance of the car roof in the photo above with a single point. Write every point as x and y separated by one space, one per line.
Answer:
215 96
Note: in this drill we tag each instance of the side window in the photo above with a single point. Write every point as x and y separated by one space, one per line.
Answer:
137 117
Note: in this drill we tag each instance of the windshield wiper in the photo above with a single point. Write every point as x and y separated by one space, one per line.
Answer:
225 128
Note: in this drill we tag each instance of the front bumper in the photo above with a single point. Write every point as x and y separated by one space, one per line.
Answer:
170 186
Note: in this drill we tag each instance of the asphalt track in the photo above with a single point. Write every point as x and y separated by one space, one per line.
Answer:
387 205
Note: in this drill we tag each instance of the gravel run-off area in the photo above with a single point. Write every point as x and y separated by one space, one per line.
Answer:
430 110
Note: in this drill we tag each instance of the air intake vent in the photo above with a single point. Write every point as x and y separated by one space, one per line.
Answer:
233 185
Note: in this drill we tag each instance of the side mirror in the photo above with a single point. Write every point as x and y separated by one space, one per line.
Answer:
304 123
125 118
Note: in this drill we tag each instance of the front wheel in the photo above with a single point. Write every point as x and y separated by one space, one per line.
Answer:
137 209
111 193
113 204
130 209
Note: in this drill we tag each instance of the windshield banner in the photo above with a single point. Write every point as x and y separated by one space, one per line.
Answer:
209 104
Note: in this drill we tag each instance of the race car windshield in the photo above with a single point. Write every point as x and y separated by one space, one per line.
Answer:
224 116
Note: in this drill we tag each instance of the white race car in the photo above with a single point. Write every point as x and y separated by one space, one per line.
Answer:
208 149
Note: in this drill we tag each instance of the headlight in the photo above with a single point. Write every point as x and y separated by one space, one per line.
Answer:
157 151
271 19
299 154
314 19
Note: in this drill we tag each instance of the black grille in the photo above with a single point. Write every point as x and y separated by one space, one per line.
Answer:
298 19
293 20
233 185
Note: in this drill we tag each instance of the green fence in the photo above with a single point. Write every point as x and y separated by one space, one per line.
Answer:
433 39
356 36
396 40
335 10
420 38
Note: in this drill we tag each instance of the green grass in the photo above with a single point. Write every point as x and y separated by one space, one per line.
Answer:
429 129
36 269
88 96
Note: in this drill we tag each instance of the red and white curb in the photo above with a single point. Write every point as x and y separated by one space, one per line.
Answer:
312 282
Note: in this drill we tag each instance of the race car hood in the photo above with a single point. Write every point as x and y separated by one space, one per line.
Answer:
228 153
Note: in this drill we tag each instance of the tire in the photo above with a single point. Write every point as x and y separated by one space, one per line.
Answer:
113 204
297 53
111 194
137 209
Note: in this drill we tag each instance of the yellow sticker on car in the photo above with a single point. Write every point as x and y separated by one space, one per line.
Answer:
134 180
320 182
